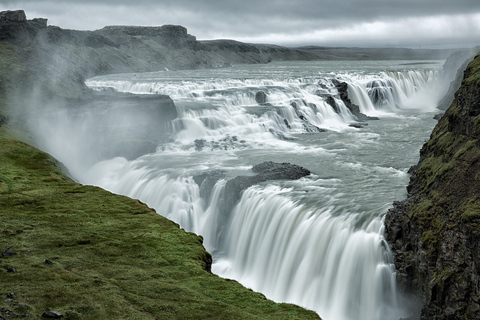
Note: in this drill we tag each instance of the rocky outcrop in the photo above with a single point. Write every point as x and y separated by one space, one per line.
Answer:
342 88
434 233
15 28
234 187
264 171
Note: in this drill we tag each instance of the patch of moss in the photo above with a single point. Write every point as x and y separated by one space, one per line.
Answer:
472 73
445 274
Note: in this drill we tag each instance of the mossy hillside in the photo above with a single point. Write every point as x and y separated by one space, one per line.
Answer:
90 254
449 170
93 255
438 246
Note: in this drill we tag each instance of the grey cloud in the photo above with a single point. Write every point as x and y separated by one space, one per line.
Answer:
253 19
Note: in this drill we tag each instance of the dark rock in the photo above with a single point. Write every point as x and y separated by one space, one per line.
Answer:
16 29
342 88
52 314
11 269
12 295
168 35
8 252
206 181
261 97
438 116
331 101
48 261
276 171
379 92
3 120
308 127
199 144
265 171
357 125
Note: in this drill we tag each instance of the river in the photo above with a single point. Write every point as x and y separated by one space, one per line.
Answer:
317 241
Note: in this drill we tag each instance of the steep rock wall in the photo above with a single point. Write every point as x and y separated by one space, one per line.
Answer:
435 232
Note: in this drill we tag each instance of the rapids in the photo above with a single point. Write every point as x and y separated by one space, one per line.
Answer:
318 241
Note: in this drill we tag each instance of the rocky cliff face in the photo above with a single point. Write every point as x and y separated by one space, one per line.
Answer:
435 232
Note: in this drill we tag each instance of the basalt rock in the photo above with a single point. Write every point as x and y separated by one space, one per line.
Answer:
16 29
206 181
264 171
342 88
435 233
261 97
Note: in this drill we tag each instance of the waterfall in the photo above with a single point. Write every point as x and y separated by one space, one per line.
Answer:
210 108
316 242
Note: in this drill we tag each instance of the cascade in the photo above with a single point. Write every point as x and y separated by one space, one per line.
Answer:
317 241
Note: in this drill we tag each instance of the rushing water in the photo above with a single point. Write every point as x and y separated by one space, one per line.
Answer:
318 241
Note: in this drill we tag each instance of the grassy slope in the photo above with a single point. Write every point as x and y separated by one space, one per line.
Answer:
93 255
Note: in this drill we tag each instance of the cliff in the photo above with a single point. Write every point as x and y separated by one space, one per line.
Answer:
434 233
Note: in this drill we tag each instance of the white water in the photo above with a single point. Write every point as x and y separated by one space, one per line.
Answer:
317 242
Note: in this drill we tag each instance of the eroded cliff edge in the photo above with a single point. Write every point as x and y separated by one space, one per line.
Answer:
435 233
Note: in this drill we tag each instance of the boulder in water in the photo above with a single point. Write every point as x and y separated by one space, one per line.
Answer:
261 97
268 170
342 88
206 181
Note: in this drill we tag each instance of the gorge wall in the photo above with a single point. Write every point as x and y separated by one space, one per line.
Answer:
434 233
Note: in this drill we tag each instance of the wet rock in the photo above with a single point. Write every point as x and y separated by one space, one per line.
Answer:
206 181
331 101
357 125
307 126
261 97
280 171
199 144
342 88
52 314
264 171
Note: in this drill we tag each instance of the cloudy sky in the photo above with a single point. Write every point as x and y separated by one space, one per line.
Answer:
364 23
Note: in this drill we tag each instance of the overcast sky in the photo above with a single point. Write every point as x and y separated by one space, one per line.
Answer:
364 23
